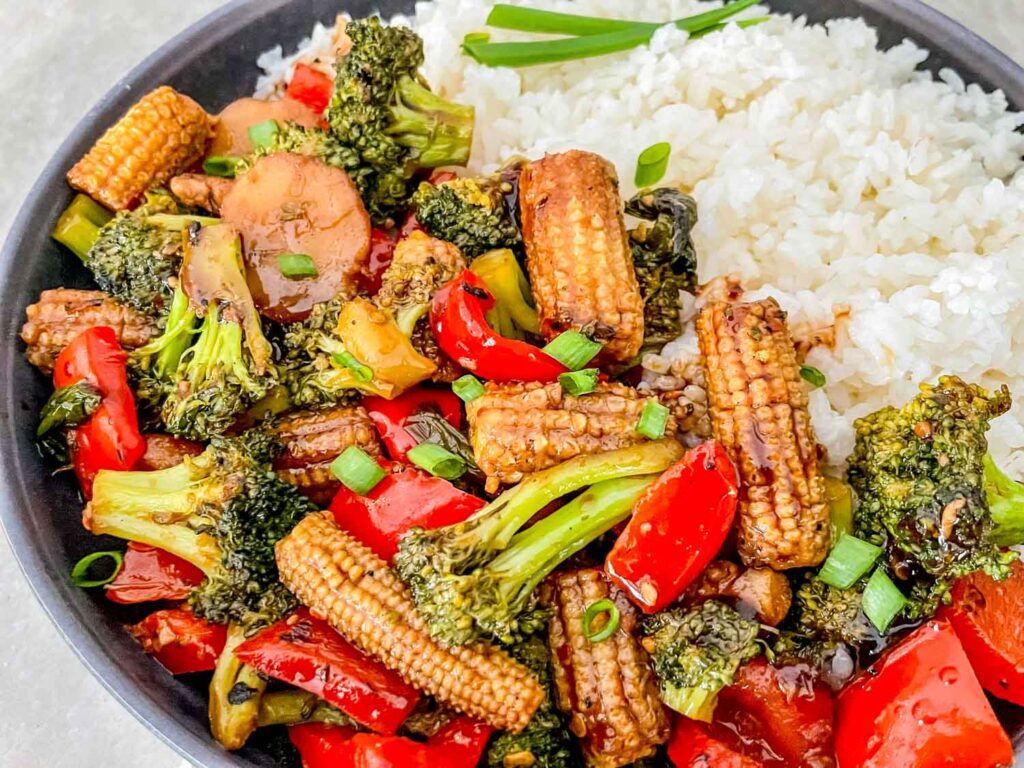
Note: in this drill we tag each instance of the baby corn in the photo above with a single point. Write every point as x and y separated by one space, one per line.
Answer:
759 414
516 429
162 135
577 252
355 591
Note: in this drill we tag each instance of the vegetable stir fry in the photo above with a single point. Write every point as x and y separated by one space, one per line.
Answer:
377 443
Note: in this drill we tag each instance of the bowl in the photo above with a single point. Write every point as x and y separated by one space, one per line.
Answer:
214 62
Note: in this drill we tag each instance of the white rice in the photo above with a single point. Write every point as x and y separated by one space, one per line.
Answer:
827 173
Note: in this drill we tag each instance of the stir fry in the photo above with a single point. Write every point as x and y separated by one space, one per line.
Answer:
376 438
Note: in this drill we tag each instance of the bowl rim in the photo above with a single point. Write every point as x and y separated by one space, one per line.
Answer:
15 501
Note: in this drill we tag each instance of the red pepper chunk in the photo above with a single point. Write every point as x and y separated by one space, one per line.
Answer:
180 641
692 747
310 87
323 746
110 437
920 706
400 501
987 616
389 415
148 573
308 653
382 251
457 316
677 528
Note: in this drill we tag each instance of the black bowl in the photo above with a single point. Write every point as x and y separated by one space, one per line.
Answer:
214 62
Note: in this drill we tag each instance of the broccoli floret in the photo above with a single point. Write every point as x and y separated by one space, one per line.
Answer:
476 579
306 363
383 112
1005 497
664 258
212 361
545 742
223 511
696 653
823 612
471 213
918 474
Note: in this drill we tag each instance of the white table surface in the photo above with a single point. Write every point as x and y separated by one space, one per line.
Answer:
58 57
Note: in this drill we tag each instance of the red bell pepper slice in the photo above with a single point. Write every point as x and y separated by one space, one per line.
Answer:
457 315
110 437
693 747
308 653
389 415
401 500
459 744
180 641
987 616
311 87
781 716
148 573
677 528
382 251
920 706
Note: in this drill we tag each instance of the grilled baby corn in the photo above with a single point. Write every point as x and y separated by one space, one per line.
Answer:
607 688
577 252
759 413
313 439
516 429
63 313
353 589
162 135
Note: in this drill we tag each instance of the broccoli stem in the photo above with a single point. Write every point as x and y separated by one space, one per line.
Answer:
407 317
219 347
1005 498
694 703
235 693
512 509
179 221
169 347
534 553
294 706
441 132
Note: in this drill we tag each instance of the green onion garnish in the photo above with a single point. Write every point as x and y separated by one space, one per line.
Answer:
578 383
346 359
549 51
297 266
523 19
812 376
849 559
80 572
468 388
742 24
225 167
572 349
882 600
437 461
357 470
653 420
476 37
652 164
594 610
262 134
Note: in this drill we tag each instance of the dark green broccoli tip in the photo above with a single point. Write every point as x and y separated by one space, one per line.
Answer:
918 474
664 257
834 615
546 740
696 653
471 213
476 578
223 511
1005 498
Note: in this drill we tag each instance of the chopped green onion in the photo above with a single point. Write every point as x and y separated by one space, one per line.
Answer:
437 461
572 349
742 24
262 134
468 388
882 600
80 571
703 21
594 610
357 470
225 167
652 164
297 266
346 359
653 420
579 383
475 37
812 376
516 17
849 559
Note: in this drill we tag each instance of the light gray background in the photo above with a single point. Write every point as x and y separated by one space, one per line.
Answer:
58 57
